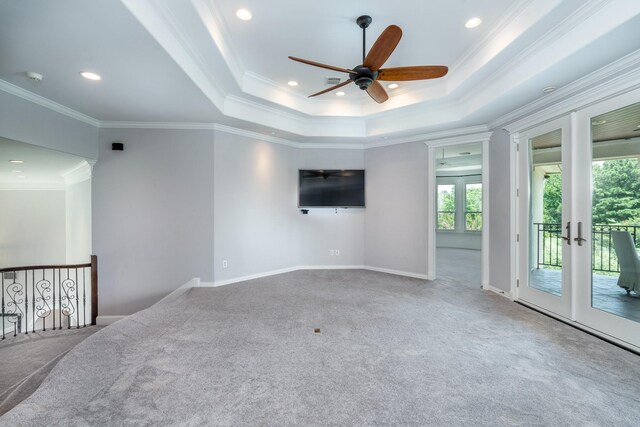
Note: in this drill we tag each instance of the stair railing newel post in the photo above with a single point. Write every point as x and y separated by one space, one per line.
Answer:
94 289
3 305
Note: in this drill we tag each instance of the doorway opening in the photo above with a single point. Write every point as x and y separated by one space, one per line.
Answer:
459 212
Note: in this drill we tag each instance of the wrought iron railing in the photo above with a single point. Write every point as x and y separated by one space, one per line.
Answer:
549 245
49 296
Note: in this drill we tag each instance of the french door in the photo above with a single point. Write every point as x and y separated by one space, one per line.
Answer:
544 236
578 218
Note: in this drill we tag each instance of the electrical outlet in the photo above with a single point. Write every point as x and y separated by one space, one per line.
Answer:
224 263
332 252
337 251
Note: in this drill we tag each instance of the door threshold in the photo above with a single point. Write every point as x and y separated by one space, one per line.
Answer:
593 332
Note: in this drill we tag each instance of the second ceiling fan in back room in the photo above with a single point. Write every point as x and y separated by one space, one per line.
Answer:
367 74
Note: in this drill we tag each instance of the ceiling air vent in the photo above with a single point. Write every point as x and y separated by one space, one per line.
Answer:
332 81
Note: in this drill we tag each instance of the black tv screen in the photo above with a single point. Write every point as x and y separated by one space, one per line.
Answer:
326 188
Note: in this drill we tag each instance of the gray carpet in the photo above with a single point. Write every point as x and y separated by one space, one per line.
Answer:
391 351
26 360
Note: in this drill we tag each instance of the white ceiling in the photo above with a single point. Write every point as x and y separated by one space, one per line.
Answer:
193 61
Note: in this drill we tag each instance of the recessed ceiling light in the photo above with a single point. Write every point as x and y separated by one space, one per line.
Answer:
393 85
341 93
638 126
89 75
244 14
598 122
293 83
273 133
16 171
549 89
473 22
385 137
21 176
16 161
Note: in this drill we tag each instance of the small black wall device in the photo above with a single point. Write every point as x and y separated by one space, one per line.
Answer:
117 146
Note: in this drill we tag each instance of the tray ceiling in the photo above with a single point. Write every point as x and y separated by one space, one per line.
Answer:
194 61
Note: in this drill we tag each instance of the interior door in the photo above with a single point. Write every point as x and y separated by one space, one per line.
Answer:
607 272
544 217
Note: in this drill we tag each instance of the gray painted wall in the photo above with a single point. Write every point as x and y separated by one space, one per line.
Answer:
255 220
324 229
396 215
25 121
500 206
78 220
32 227
258 226
152 213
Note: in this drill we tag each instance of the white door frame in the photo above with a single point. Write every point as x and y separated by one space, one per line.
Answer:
583 316
560 305
482 138
609 324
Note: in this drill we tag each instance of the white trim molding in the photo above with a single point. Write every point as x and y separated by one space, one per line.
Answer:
78 173
47 103
312 267
616 78
500 292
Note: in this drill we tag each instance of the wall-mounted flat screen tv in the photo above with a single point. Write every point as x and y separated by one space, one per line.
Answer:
325 188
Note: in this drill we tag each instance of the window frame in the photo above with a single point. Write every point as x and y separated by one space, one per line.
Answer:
465 184
453 184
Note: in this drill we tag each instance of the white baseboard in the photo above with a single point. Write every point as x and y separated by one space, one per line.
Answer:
398 272
193 283
312 267
488 287
249 277
331 267
108 320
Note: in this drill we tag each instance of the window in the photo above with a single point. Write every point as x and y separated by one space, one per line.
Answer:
446 206
473 207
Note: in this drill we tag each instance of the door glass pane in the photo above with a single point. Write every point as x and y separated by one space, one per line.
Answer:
473 207
615 264
446 206
545 226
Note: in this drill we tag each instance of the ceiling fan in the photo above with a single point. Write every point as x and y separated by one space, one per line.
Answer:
367 74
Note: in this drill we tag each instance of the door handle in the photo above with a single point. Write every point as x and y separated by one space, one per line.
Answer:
579 239
568 238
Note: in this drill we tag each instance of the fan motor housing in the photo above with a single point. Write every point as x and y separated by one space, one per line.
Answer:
363 76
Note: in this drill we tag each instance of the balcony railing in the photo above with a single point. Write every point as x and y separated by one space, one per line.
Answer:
604 259
50 296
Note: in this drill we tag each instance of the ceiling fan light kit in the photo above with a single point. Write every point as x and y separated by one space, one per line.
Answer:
367 74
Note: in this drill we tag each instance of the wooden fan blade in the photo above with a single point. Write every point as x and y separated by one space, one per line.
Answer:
425 72
346 82
377 92
317 64
383 47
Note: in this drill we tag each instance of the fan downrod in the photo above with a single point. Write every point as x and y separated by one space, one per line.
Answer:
363 76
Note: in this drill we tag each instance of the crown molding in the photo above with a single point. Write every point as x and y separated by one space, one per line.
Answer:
32 186
515 10
471 132
157 125
255 135
156 17
79 173
462 139
46 103
216 27
618 77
